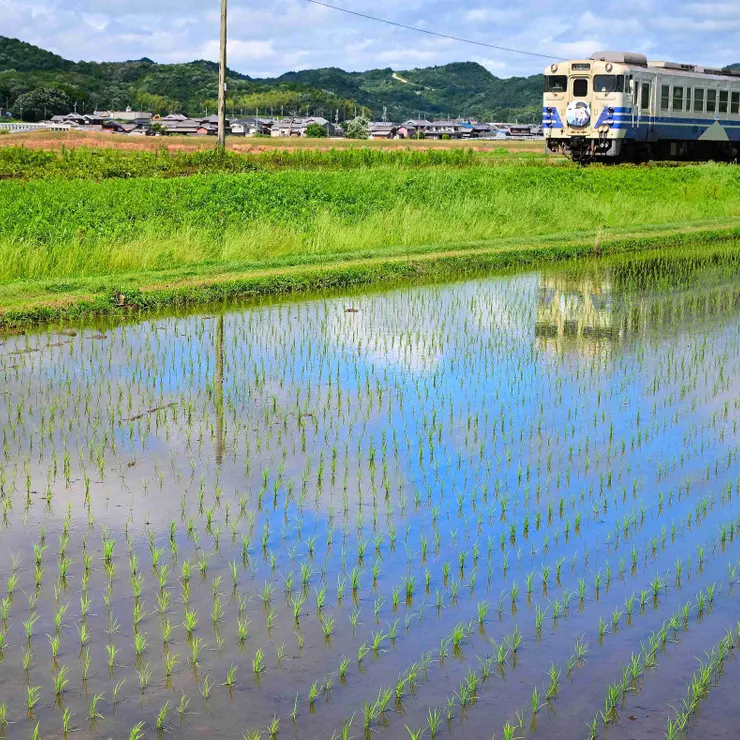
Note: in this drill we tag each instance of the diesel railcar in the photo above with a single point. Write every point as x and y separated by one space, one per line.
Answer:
619 106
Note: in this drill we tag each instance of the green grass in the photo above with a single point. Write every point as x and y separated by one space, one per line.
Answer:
18 162
66 241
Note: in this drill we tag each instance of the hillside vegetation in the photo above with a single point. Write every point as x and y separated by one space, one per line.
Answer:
458 89
190 88
464 89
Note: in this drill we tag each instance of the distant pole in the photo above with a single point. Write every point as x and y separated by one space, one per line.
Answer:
222 81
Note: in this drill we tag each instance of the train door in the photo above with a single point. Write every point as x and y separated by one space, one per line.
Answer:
636 111
580 109
647 106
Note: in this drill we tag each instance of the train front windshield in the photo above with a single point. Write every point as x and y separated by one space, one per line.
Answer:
609 83
556 83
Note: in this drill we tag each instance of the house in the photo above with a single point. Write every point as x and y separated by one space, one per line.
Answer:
73 118
382 130
126 116
294 126
180 127
516 129
473 129
210 124
417 124
172 117
251 126
444 129
111 126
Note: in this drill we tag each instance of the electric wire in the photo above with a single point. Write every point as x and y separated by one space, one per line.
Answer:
435 33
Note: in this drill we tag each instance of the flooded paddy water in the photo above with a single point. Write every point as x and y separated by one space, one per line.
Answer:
501 507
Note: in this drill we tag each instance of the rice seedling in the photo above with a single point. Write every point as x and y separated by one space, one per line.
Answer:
230 677
274 726
33 696
145 676
93 713
60 680
205 688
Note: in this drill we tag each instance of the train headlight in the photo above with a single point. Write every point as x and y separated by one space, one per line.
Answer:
553 68
608 67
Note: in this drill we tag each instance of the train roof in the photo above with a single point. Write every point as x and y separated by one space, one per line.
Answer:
632 59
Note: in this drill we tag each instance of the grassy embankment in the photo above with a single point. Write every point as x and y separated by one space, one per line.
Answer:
68 247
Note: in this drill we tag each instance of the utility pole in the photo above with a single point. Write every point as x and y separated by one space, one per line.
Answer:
222 81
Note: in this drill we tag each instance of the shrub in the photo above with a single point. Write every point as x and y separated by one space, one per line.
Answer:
316 131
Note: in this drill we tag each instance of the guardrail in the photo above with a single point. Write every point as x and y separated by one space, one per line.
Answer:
18 127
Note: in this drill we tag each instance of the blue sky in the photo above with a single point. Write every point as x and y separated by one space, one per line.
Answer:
268 38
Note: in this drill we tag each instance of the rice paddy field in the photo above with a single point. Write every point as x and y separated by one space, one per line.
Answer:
503 507
57 140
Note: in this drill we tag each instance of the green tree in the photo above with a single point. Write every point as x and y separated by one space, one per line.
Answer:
357 128
316 131
41 103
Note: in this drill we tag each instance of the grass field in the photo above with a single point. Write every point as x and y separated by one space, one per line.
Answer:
277 221
73 139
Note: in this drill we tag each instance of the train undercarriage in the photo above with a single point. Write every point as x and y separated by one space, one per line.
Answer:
585 150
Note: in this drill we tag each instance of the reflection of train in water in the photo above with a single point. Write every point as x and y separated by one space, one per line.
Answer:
594 313
576 309
617 105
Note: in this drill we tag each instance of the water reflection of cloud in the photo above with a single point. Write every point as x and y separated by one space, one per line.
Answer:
400 329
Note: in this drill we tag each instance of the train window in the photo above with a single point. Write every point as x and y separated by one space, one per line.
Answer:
645 99
556 83
609 83
677 98
711 101
687 102
698 100
580 88
723 95
665 97
735 103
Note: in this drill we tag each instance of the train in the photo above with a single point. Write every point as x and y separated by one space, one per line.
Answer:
618 106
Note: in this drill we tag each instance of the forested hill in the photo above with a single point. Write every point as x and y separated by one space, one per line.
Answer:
43 83
460 89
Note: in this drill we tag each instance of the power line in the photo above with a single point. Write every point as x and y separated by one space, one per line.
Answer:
438 35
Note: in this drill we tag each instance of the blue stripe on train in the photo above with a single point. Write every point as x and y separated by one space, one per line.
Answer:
644 131
551 118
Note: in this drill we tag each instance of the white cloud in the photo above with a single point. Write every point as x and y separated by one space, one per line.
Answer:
295 34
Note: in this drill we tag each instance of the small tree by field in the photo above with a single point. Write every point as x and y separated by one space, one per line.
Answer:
357 128
316 131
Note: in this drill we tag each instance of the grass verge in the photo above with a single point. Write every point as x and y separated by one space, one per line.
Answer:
27 303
